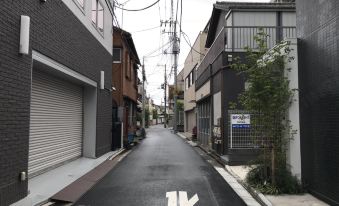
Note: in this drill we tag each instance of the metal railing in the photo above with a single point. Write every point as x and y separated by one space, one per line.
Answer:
239 37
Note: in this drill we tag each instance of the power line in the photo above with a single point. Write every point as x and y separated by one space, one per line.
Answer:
189 43
137 9
146 29
158 48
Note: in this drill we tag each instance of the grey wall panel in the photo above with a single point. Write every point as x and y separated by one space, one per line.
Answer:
318 51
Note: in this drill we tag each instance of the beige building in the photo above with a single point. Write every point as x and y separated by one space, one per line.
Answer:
192 61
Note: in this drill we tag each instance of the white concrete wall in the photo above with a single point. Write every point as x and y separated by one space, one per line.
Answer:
84 15
293 153
293 146
193 58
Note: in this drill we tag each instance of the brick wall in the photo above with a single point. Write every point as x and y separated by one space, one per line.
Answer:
56 33
318 30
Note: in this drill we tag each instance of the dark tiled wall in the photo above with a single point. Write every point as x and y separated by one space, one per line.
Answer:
318 30
56 33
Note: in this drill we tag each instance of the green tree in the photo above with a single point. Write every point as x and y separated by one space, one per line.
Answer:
155 114
269 96
180 105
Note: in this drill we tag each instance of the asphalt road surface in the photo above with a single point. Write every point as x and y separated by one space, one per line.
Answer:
154 173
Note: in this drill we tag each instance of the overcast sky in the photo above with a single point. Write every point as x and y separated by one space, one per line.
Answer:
195 16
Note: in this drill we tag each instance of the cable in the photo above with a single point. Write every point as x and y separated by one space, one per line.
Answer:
180 16
189 44
145 29
147 7
158 48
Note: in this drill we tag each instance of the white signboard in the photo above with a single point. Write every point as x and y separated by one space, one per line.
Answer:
240 120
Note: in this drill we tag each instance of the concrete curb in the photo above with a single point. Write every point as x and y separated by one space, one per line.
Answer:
193 144
182 136
116 154
88 180
258 196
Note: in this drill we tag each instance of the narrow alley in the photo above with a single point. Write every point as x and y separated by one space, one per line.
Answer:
162 163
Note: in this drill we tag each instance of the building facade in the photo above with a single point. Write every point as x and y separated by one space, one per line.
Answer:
125 80
55 104
317 30
232 27
192 61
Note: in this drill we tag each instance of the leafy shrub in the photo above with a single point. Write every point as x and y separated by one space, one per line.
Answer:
286 183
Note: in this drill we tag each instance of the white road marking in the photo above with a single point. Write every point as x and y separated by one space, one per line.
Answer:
172 198
183 199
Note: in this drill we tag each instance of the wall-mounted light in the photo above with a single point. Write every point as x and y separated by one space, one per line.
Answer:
24 34
229 58
43 0
23 176
102 80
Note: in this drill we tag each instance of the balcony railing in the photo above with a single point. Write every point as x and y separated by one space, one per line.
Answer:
236 39
239 37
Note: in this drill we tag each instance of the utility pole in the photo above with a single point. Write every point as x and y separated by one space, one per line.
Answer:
175 53
165 97
143 92
165 94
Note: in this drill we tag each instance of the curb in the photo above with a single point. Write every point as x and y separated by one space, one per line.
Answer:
87 181
258 196
116 154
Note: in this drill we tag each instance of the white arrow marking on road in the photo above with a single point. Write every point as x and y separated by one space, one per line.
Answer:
184 200
172 198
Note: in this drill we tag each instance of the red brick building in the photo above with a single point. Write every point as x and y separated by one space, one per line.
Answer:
124 81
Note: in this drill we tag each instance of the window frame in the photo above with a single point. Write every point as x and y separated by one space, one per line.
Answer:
95 24
81 7
127 65
192 78
120 55
186 83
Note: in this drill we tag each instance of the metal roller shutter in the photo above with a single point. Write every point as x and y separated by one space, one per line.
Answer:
56 123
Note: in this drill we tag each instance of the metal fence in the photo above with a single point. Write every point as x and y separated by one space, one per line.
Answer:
245 137
239 37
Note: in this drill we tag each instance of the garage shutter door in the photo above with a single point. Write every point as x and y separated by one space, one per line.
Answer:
56 123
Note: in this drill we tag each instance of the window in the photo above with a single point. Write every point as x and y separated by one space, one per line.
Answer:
116 55
127 66
193 77
98 15
186 83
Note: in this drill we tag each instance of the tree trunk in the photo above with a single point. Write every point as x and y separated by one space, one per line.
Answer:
273 166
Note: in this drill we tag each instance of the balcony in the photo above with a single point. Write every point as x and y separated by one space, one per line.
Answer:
236 39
